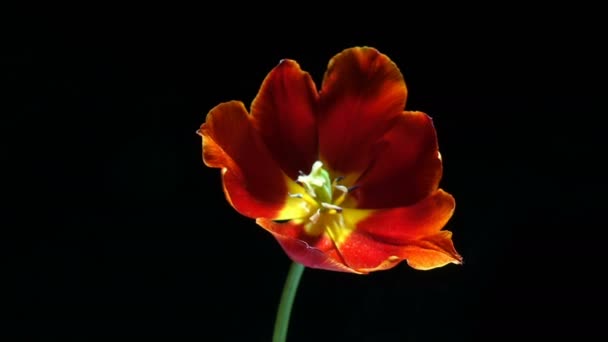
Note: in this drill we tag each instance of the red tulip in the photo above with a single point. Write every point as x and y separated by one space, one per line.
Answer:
344 178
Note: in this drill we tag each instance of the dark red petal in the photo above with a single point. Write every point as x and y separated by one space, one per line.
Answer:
311 251
362 92
253 182
407 165
283 113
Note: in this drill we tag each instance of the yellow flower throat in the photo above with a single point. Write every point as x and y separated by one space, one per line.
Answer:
324 198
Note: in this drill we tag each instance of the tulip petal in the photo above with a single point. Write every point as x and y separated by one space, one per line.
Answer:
407 169
404 224
362 92
380 239
253 182
431 252
283 112
425 254
311 251
362 241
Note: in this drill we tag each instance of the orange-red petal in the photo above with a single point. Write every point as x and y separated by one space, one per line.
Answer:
283 112
362 92
400 225
253 182
407 167
380 239
311 251
372 240
431 252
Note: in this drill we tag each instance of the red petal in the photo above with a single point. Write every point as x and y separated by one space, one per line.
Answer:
380 239
404 224
373 240
314 252
283 112
253 182
407 168
362 92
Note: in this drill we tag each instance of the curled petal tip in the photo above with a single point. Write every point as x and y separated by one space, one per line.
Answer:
287 62
284 61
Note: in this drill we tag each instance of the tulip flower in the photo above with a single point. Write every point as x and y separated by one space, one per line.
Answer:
343 177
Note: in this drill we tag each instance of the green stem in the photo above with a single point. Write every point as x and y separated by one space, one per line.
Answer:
289 293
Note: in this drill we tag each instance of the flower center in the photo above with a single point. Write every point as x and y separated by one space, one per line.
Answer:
326 194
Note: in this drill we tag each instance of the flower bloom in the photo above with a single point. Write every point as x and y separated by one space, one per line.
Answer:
344 178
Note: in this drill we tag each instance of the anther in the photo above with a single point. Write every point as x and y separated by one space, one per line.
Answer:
341 188
331 207
296 196
353 188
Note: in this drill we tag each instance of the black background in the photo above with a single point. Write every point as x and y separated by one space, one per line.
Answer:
115 227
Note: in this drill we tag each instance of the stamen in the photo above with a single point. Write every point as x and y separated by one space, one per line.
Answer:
310 190
315 217
341 188
340 199
336 181
353 188
323 195
331 207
